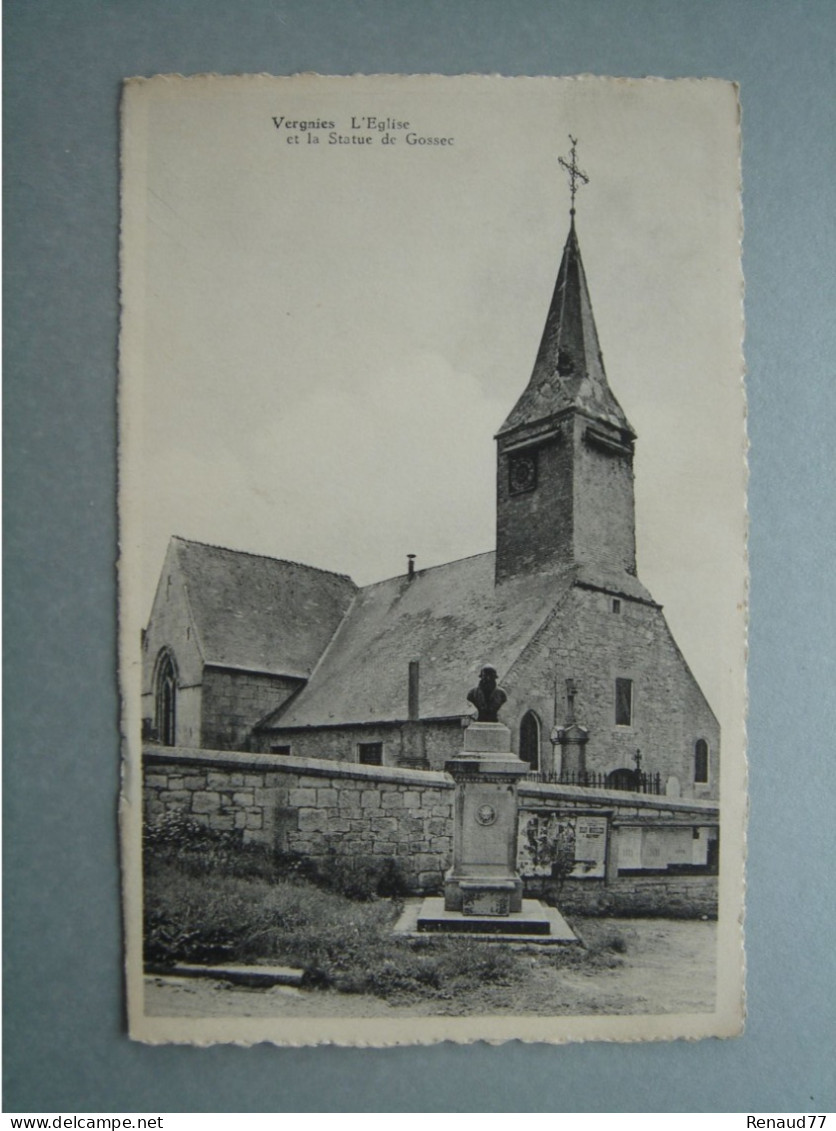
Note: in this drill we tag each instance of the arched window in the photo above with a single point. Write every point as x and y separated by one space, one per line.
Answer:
166 720
701 760
623 778
530 740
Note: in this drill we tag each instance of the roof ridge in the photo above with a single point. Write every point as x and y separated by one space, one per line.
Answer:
427 569
265 557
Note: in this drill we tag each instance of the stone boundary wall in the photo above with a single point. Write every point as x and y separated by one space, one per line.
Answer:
677 897
623 806
310 806
318 808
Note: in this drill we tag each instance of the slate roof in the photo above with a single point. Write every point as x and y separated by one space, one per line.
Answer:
452 618
261 614
569 369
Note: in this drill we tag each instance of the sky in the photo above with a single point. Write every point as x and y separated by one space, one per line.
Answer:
320 339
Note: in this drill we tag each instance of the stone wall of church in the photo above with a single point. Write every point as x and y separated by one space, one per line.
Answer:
170 633
337 744
234 701
441 740
318 808
594 645
170 628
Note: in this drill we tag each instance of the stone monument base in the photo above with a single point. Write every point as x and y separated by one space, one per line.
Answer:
483 895
483 891
534 923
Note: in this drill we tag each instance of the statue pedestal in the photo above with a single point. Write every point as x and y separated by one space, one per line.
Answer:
483 880
483 893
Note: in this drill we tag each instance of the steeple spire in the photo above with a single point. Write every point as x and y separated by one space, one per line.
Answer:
569 369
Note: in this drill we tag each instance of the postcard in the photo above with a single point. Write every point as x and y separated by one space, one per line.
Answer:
433 578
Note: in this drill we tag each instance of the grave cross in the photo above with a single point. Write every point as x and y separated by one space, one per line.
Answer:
575 174
571 692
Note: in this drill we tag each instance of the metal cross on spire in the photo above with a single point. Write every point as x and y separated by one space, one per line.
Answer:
576 175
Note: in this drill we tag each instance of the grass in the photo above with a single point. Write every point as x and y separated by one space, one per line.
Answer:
207 901
340 943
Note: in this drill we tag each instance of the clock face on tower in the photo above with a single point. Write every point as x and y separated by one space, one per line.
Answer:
522 473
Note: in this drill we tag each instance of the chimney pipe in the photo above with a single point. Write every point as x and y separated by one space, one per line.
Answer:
412 709
410 565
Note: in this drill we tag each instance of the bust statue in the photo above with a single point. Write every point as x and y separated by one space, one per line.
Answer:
487 698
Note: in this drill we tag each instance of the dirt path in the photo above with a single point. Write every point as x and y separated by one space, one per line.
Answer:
668 966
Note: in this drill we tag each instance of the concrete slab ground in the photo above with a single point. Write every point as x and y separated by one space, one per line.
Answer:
236 973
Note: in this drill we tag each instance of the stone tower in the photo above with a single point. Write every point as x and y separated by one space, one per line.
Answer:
565 453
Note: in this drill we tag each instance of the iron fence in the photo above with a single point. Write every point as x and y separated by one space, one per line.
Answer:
630 781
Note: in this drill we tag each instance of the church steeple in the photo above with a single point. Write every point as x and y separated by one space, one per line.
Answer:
565 452
569 370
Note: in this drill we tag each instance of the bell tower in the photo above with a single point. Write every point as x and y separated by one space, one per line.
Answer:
565 452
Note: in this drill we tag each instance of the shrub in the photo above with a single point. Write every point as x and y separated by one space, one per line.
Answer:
177 839
362 877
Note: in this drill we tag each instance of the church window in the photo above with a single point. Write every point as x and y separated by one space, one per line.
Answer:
624 702
370 753
530 740
616 605
701 760
166 720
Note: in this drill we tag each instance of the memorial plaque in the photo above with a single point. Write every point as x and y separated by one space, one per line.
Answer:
590 847
680 846
629 848
662 847
486 902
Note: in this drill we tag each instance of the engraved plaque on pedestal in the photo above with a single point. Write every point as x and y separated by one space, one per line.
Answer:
486 901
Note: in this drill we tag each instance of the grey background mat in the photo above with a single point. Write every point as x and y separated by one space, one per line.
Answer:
65 1045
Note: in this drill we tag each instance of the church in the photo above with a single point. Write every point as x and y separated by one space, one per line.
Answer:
250 653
